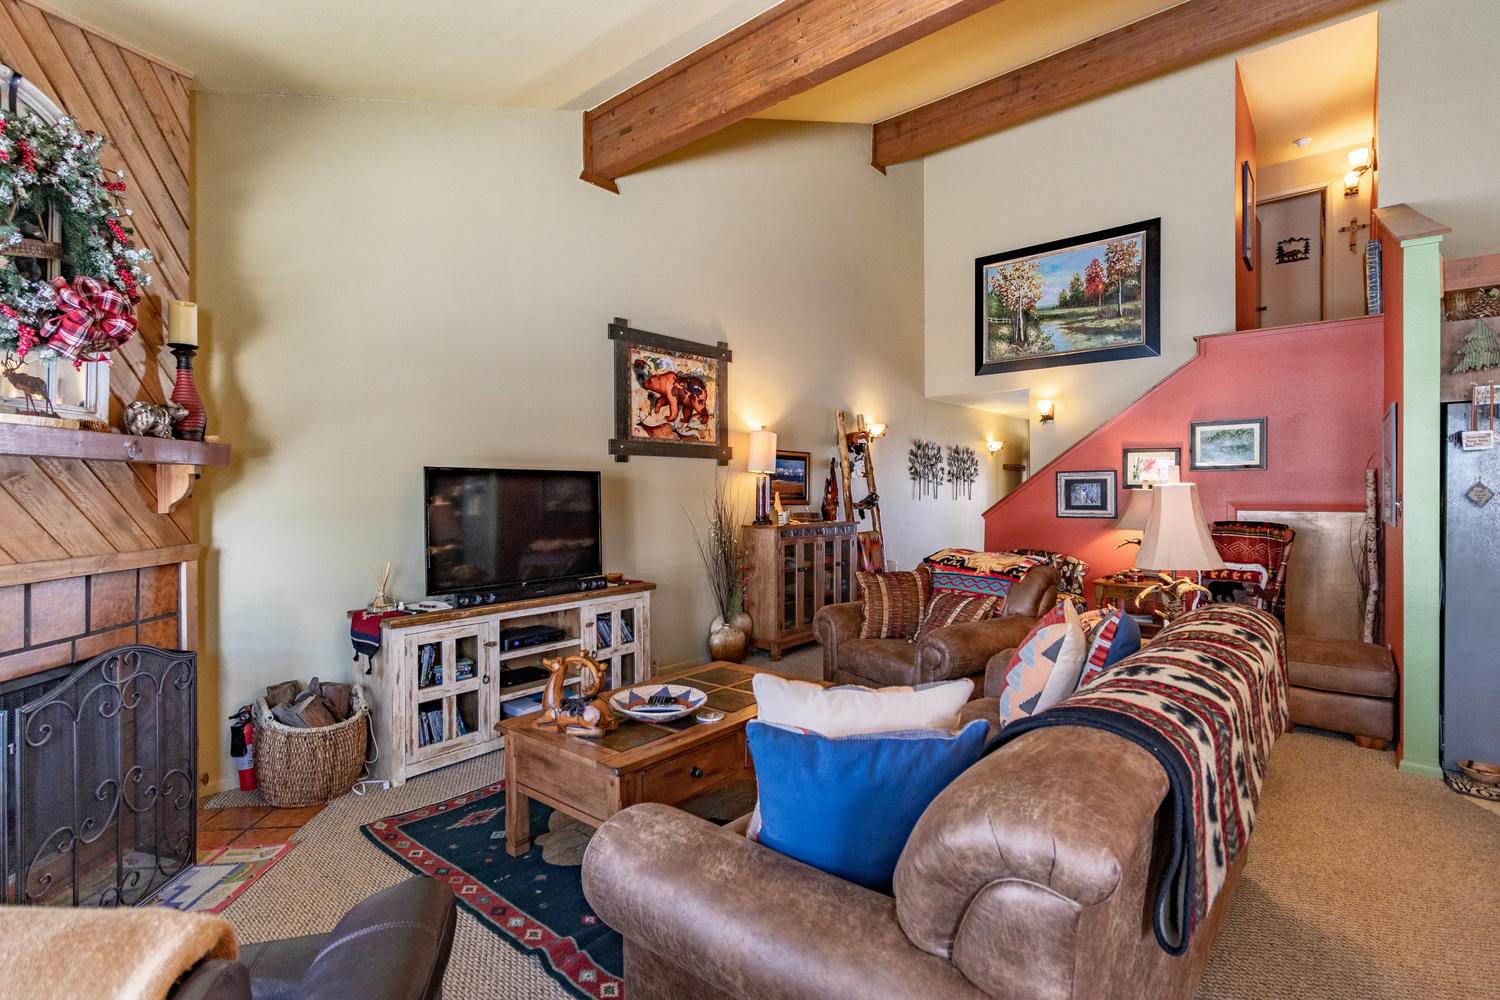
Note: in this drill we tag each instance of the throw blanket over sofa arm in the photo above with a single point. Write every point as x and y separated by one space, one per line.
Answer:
751 923
1031 869
835 623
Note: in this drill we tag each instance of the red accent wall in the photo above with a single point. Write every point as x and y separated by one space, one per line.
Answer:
1321 388
1246 282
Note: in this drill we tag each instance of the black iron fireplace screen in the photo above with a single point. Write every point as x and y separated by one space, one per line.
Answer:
98 786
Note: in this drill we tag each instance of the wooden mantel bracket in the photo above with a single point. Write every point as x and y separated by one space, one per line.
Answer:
1179 36
174 484
784 51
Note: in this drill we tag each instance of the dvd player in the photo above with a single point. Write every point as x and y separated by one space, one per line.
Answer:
530 635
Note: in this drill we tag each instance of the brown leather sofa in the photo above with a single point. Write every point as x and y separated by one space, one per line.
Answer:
947 654
392 946
1031 877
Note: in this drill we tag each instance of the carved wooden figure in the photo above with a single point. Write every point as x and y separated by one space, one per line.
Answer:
583 714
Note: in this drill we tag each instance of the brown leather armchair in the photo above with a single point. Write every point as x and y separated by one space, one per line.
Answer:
1031 877
947 654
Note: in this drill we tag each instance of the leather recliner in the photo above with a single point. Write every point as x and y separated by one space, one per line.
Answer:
946 654
392 946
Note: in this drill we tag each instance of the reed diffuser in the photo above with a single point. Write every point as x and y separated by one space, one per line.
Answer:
382 601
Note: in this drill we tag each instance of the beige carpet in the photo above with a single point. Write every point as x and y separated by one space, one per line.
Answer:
1362 883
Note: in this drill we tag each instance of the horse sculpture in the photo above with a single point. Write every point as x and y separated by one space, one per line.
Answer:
583 714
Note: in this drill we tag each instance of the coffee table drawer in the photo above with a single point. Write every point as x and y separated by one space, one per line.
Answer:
701 769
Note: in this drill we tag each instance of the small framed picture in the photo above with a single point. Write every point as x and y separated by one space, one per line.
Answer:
1148 465
789 481
1228 444
1087 494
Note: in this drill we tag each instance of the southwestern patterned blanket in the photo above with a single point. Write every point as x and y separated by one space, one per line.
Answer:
1207 698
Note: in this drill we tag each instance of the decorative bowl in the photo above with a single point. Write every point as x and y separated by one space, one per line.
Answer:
1478 771
657 702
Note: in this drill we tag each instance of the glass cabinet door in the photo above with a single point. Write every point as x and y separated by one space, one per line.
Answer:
452 696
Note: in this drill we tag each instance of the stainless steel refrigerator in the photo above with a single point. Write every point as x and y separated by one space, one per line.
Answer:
1471 594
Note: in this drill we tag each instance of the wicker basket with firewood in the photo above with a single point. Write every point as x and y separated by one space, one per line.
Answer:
318 756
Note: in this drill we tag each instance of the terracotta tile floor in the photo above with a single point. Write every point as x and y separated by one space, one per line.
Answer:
250 826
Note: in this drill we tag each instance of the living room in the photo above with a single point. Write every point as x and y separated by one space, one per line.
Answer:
384 266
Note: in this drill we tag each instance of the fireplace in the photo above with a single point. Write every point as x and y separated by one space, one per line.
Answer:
97 795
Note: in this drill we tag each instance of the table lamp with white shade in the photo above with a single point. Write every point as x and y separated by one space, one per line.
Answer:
1176 538
762 463
1137 512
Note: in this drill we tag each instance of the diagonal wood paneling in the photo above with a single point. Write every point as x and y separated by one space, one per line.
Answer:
60 508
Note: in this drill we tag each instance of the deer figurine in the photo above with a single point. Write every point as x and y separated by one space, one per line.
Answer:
30 386
584 714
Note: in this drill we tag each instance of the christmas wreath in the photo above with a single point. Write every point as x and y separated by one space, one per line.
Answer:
48 167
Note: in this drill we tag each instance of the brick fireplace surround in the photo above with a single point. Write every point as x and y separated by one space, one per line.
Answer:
56 622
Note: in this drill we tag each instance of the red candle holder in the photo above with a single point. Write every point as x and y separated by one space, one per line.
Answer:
185 395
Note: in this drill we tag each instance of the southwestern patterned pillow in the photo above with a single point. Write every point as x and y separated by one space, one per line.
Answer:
1046 666
1112 635
947 608
894 603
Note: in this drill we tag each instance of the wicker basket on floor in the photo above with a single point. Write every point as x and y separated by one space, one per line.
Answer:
302 767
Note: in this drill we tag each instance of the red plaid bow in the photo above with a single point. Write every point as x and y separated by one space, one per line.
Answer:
93 320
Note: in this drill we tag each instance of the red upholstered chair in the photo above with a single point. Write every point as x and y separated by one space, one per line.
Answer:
1255 555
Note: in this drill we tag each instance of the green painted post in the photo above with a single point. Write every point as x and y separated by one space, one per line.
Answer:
1421 507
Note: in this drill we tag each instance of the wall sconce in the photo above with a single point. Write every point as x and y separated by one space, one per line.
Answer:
876 431
1046 410
993 447
1359 162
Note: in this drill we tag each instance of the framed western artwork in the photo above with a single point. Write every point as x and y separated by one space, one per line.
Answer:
1148 465
1089 298
1086 494
1228 444
789 481
671 396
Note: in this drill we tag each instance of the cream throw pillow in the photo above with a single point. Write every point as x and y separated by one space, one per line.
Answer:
848 711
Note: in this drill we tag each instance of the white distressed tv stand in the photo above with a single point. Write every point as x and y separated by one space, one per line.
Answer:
437 685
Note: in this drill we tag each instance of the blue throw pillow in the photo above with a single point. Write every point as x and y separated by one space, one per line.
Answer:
847 804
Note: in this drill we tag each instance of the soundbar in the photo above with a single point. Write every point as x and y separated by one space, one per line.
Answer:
526 591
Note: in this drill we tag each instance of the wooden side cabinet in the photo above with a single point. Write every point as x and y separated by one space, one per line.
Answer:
793 570
442 681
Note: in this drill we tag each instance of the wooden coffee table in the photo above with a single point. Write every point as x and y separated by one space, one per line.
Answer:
669 762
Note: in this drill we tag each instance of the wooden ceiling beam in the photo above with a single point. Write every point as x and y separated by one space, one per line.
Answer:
1169 40
792 47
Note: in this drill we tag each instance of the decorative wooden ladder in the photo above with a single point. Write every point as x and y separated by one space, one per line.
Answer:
871 549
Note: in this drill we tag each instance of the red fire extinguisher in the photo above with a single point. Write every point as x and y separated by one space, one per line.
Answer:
242 747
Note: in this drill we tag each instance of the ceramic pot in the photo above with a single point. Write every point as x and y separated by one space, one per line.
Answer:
742 622
728 643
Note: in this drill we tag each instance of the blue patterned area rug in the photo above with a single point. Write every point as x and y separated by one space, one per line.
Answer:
534 902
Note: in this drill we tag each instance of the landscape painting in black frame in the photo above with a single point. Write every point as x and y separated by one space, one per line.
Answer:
1080 300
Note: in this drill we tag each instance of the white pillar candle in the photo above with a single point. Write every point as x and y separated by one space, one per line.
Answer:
182 322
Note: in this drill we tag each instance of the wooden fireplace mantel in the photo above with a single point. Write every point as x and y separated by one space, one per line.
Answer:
177 462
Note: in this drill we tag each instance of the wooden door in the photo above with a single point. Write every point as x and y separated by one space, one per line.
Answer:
1291 260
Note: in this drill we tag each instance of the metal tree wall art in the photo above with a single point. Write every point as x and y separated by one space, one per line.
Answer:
924 464
963 470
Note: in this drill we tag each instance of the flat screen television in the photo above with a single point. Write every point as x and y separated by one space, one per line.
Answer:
503 528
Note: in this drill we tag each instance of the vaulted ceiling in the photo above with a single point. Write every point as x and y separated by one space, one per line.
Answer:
561 54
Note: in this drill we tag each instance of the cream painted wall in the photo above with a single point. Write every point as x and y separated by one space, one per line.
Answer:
1439 145
390 285
1164 148
1343 271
